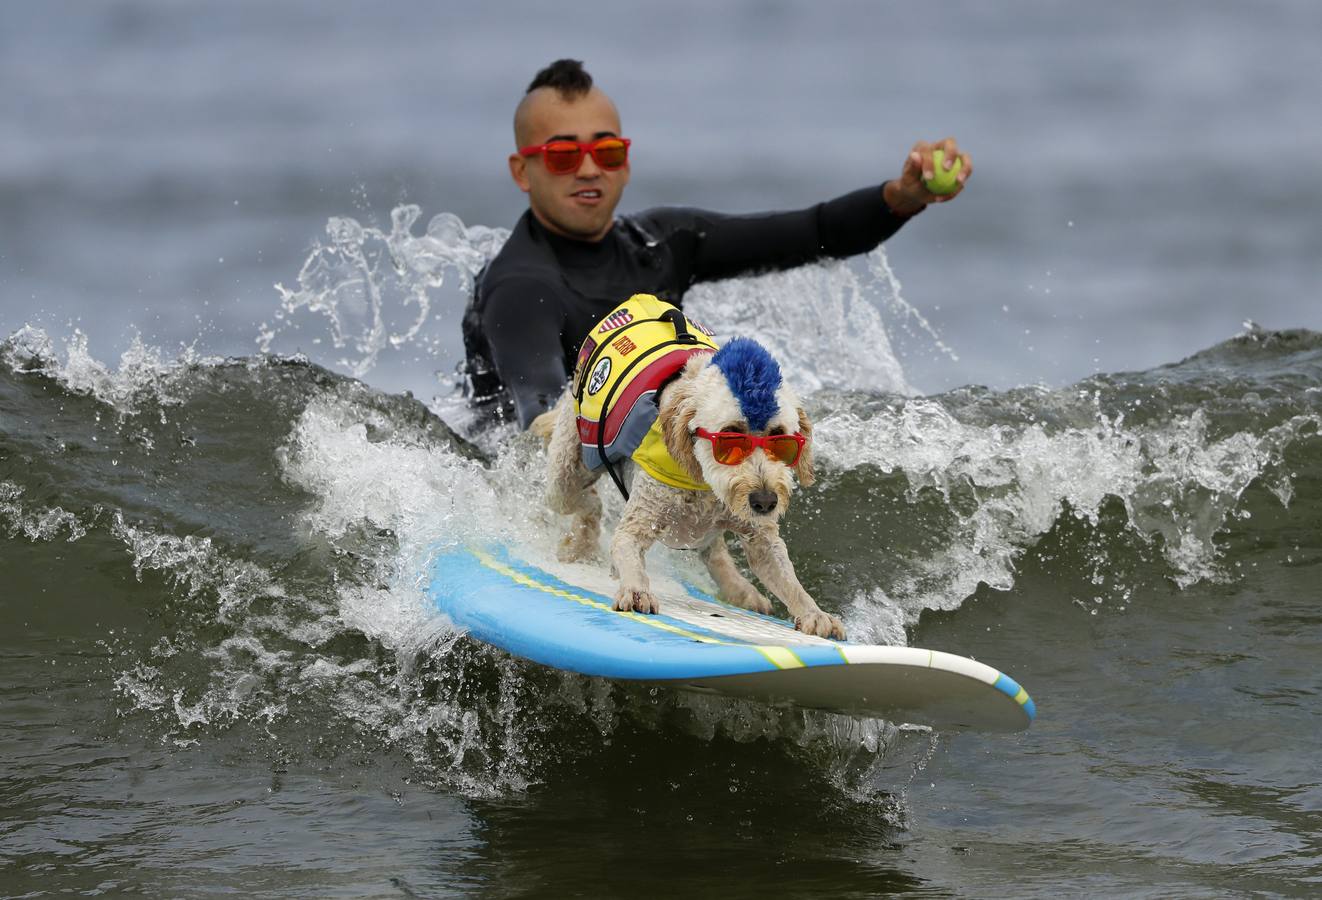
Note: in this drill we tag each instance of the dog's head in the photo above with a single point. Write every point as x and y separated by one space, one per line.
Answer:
739 388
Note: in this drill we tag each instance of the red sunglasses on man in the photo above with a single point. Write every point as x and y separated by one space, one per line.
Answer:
564 157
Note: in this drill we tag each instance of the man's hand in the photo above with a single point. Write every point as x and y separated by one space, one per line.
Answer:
907 194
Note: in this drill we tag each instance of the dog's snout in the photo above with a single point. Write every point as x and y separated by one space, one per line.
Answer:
762 502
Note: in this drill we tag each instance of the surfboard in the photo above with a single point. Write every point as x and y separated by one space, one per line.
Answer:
560 615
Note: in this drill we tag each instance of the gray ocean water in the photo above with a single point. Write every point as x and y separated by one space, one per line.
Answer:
1068 424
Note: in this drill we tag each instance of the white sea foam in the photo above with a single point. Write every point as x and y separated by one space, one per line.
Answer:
44 524
143 371
1172 479
218 589
428 496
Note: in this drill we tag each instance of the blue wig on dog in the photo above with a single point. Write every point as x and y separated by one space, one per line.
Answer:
754 378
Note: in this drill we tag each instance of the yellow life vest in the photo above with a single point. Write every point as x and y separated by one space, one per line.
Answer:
622 366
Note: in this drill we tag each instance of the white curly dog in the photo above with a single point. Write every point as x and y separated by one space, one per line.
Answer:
733 425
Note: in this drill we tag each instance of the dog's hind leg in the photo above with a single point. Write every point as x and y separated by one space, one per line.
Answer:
734 587
571 486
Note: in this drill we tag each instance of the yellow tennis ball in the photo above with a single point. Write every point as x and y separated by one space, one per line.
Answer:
943 180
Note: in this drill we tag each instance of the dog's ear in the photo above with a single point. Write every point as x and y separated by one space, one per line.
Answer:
804 466
678 407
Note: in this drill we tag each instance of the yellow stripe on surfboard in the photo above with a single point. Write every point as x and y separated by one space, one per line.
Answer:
780 657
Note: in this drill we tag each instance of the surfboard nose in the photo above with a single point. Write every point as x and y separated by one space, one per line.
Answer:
762 502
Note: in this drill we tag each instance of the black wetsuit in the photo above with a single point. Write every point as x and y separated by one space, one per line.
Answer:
542 293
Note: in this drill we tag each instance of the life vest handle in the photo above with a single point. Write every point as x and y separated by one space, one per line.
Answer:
680 323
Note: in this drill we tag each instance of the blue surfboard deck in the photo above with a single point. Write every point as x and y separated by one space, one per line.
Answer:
563 618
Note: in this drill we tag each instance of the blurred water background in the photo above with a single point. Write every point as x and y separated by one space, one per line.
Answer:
1068 425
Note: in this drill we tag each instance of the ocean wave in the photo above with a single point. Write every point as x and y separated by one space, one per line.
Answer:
276 517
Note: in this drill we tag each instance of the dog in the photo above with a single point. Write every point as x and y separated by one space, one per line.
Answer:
736 389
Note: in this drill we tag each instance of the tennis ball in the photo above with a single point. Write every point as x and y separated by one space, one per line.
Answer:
943 179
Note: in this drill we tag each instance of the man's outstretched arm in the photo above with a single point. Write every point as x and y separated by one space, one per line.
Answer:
724 246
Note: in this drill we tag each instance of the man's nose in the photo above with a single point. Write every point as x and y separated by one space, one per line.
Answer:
588 168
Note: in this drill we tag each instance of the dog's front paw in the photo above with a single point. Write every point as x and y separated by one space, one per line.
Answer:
821 624
630 600
749 599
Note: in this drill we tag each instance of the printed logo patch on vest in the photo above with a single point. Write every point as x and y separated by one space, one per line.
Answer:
616 319
623 345
584 354
599 375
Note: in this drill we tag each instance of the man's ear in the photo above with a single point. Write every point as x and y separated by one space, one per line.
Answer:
804 466
519 171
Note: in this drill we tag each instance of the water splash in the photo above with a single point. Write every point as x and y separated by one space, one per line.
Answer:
143 372
374 288
816 320
886 286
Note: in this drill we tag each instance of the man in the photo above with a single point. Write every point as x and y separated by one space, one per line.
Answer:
569 261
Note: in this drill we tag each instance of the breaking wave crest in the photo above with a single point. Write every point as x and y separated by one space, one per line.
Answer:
264 523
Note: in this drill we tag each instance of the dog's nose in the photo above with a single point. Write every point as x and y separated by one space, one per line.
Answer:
762 502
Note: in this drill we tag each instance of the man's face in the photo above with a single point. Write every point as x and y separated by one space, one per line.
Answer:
579 204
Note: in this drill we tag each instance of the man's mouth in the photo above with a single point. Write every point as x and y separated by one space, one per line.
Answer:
587 194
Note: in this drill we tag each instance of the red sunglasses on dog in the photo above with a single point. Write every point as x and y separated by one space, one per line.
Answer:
563 157
730 448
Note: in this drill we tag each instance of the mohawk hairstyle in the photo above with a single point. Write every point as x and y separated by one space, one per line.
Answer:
567 76
753 376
